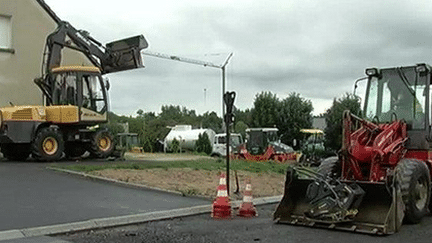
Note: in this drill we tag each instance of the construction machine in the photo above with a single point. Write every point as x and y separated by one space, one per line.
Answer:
313 149
263 144
382 174
75 97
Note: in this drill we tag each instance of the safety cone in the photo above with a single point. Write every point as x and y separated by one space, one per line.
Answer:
221 207
247 209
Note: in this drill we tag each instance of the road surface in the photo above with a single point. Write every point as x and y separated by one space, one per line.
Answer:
202 228
35 196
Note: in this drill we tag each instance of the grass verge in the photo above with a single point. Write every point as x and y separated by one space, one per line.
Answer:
201 164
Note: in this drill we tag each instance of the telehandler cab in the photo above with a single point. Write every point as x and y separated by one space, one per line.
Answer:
382 174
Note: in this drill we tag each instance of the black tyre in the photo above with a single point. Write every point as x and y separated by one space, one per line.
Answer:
74 150
330 167
48 145
102 144
15 152
414 182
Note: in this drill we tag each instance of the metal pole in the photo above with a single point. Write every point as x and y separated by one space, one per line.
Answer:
229 98
223 93
223 86
228 156
226 123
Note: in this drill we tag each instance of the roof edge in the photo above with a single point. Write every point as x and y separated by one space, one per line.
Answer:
50 12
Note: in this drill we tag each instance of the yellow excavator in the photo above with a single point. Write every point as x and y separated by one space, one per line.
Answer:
75 97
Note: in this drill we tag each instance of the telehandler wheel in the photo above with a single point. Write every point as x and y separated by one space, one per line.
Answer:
48 145
414 181
102 144
15 152
330 167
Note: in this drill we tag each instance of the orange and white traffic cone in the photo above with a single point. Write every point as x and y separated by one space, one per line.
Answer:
221 207
247 209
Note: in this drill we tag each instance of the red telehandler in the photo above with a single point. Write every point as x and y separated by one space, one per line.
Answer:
382 174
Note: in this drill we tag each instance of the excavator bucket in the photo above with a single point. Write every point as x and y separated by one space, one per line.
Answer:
124 54
379 208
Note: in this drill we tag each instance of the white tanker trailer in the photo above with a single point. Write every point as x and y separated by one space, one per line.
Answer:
186 136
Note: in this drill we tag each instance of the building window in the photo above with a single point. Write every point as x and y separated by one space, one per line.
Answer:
6 34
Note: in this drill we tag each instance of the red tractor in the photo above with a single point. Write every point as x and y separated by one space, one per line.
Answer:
382 174
263 144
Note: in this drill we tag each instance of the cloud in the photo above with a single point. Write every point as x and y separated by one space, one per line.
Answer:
314 48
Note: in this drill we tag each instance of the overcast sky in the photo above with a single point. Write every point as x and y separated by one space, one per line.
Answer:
314 48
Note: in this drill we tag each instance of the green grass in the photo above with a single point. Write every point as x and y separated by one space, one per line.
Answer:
201 164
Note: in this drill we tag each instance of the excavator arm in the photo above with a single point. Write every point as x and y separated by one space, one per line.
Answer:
115 56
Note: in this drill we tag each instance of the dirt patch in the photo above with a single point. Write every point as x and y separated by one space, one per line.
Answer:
199 182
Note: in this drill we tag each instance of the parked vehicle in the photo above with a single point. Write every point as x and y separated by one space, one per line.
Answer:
263 144
219 145
187 137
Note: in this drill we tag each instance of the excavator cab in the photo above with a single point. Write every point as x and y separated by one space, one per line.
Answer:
381 176
82 87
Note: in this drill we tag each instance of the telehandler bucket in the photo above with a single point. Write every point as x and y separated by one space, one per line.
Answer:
379 208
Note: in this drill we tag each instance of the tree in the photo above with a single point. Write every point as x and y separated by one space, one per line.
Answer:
212 121
295 113
203 144
175 146
289 115
153 131
333 116
265 111
240 127
243 116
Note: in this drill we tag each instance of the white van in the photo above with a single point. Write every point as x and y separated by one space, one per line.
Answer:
219 144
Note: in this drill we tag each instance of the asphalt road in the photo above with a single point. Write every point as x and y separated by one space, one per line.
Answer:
34 196
202 228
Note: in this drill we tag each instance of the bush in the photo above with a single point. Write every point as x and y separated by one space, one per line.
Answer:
203 144
175 146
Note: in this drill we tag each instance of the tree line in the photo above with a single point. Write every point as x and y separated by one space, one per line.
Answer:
289 115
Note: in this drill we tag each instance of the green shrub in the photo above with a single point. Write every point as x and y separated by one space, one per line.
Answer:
175 146
203 144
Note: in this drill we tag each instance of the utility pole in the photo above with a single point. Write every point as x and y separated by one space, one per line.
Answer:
227 99
223 83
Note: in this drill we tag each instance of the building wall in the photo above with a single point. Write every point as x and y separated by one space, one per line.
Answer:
30 25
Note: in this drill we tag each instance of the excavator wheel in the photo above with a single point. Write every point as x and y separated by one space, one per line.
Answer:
48 145
330 167
414 181
102 144
15 152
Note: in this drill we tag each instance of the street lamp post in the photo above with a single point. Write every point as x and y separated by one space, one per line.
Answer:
223 84
230 96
